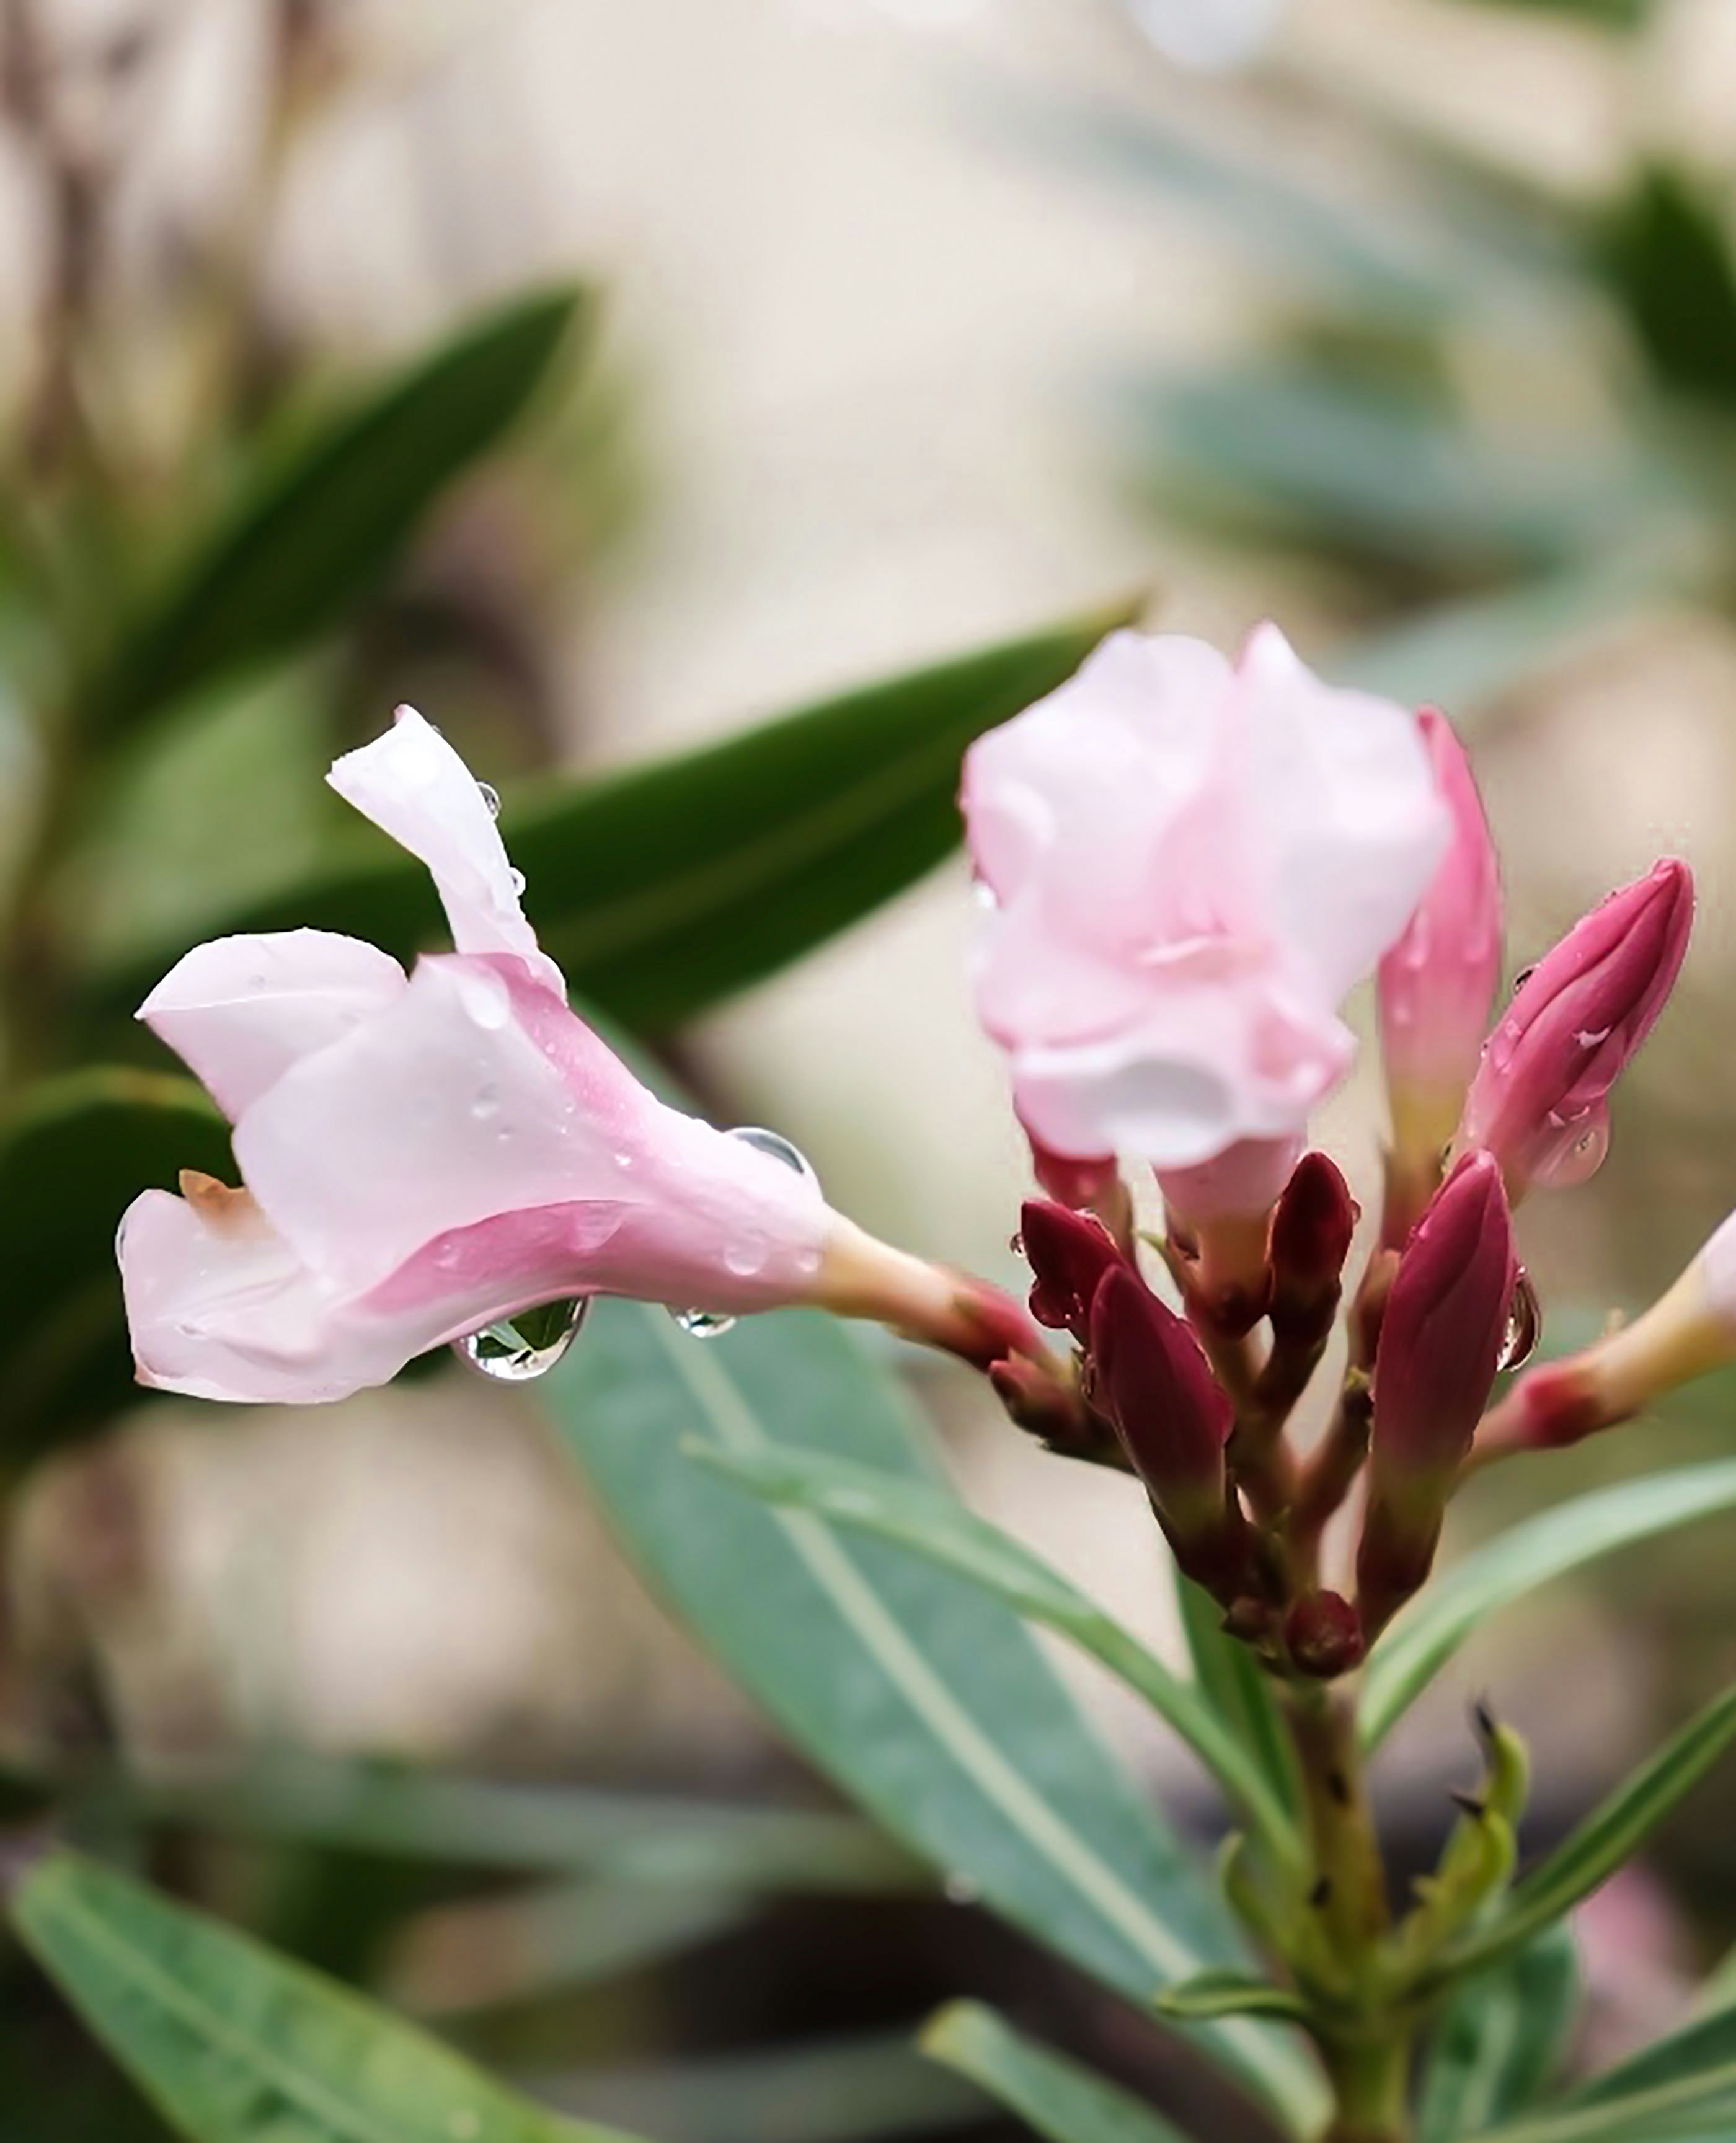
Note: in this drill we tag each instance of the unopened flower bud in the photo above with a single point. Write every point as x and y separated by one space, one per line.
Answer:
1222 1209
1049 1405
1312 1227
1687 1332
1175 1418
1081 1185
1438 985
1441 1342
1068 1254
1323 1635
1539 1102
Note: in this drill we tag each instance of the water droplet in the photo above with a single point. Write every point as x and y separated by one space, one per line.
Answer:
484 998
983 893
962 1889
487 1104
1522 977
777 1145
703 1323
1524 1325
1015 1242
517 876
1576 1152
746 1258
491 796
521 1349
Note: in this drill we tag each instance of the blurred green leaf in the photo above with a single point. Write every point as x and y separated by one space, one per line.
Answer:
1231 1994
929 1702
74 1156
233 2044
1500 2039
1665 252
1700 2059
326 515
1609 14
1427 1633
930 1522
1607 1839
1056 2097
1231 1681
665 886
649 1838
829 2090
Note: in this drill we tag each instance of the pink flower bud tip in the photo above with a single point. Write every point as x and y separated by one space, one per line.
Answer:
1323 1635
1068 1253
1221 1210
1438 982
1540 1101
1313 1226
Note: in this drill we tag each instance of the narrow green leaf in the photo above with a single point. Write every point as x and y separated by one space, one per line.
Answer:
1230 1679
1428 1633
323 521
1608 1837
827 2090
664 888
1231 1994
930 1703
1056 2097
235 2044
1500 2040
1666 255
73 1157
1694 2108
932 1523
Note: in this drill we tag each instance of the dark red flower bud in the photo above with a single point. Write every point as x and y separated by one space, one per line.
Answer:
1175 1418
1312 1227
1051 1407
1323 1635
1069 1253
1441 1342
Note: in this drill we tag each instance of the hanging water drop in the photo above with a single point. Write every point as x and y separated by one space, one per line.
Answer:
517 876
519 1349
1524 1325
703 1323
491 796
777 1145
1522 977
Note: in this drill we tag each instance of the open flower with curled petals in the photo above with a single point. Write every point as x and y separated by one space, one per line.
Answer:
426 1154
1191 863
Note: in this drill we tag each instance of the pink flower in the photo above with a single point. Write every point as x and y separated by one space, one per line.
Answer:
1437 984
1191 863
1540 1101
425 1155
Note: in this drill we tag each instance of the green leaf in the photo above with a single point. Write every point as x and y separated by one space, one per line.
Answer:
1427 1634
1666 255
1238 1691
664 888
1500 2040
1609 1837
235 2044
73 1157
1053 2095
827 2091
931 1521
1231 1994
930 1703
325 518
648 1838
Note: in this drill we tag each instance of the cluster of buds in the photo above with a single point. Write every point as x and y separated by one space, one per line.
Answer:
1184 884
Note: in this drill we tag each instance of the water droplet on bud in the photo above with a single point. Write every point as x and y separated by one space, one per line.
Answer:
521 1349
777 1145
1522 977
1524 1325
517 879
746 1258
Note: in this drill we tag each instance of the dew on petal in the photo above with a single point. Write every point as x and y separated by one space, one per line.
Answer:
1576 1151
517 876
703 1323
519 1349
491 796
1524 1325
484 999
777 1145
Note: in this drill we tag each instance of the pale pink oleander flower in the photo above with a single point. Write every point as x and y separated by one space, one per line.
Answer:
1541 1100
429 1153
1437 983
1191 863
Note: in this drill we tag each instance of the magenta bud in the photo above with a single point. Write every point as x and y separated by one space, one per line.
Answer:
1538 1102
1173 1417
1052 1408
1080 1185
1312 1227
1437 983
1441 1341
1323 1635
1068 1254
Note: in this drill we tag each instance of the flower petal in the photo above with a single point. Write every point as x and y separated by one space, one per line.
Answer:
239 1011
413 786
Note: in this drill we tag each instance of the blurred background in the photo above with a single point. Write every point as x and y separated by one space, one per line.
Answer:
844 335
